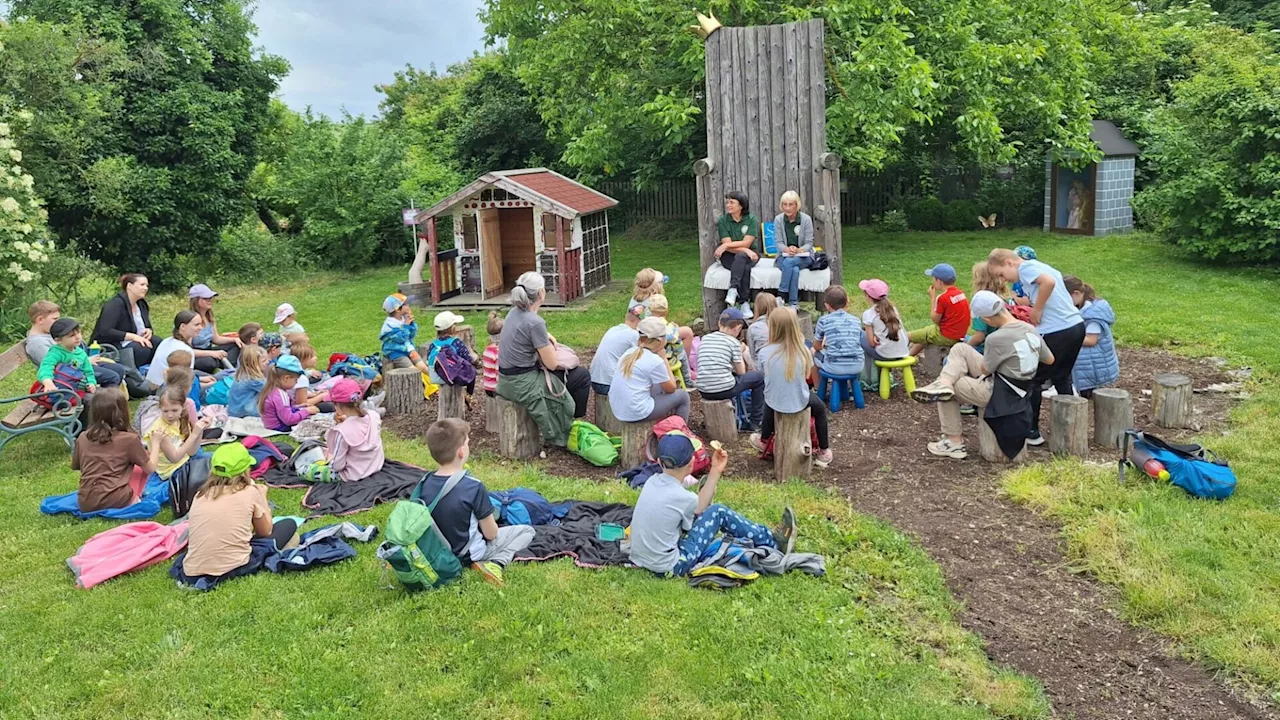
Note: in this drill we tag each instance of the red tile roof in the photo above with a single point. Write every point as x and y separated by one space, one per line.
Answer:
571 194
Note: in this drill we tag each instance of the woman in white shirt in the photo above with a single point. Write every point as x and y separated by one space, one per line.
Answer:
643 387
186 325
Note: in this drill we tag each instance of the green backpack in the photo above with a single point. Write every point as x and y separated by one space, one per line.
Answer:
593 444
415 550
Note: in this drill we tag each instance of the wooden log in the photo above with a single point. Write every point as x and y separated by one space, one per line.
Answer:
452 402
1112 416
492 414
1171 400
792 446
605 419
721 420
404 392
1068 425
990 449
635 436
518 434
468 336
830 161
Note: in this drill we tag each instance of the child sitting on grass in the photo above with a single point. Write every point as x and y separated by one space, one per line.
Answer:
249 333
445 322
229 511
722 372
674 350
250 379
489 360
399 336
1097 365
174 437
291 330
66 350
464 515
758 331
272 345
786 363
672 527
354 444
112 460
182 377
277 406
950 312
837 344
883 337
302 395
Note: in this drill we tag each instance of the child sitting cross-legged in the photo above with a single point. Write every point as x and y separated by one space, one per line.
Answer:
250 379
399 336
672 527
722 372
173 438
837 344
354 444
445 323
464 514
786 363
949 312
112 460
276 404
674 349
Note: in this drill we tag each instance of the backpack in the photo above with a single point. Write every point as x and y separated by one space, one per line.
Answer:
66 377
452 368
186 481
355 367
593 444
220 392
1194 468
415 550
676 424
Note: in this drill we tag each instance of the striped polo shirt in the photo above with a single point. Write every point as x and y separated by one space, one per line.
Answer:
841 336
717 355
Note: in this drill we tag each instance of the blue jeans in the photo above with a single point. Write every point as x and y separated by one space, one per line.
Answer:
708 525
791 267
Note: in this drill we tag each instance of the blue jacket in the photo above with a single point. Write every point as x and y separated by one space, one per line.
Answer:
242 399
1097 366
398 338
522 506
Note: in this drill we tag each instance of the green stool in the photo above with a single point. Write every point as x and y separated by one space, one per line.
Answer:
886 375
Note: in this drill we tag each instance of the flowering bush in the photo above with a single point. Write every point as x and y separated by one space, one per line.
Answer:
24 239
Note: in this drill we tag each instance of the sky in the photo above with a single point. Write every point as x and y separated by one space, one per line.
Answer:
339 49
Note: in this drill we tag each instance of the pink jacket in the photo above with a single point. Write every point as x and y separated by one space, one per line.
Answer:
355 446
124 549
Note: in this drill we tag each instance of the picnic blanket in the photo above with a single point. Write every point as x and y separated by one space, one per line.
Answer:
123 549
395 481
154 495
575 537
323 546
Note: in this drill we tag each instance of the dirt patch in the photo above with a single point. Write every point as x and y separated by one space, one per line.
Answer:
1004 562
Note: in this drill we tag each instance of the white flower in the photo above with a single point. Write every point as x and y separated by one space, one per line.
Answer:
26 276
10 205
37 256
5 143
22 247
16 155
44 215
4 128
28 181
15 268
24 115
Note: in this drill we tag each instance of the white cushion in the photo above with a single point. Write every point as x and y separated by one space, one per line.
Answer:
764 276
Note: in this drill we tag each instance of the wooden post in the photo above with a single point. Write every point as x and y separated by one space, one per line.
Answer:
452 402
1112 416
492 414
712 300
562 282
433 248
832 242
467 334
1171 400
1068 425
404 392
990 449
635 436
792 446
721 420
518 434
806 323
604 415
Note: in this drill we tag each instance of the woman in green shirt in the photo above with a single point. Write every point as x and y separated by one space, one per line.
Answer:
738 230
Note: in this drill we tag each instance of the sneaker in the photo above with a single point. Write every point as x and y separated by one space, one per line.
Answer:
795 306
823 458
781 302
784 536
731 298
755 442
1035 438
946 448
935 391
1049 392
490 571
746 311
968 409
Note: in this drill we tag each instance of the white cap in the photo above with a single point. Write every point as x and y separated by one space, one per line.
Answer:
446 320
986 304
284 311
653 328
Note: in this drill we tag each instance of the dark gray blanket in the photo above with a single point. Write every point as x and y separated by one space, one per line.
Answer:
575 537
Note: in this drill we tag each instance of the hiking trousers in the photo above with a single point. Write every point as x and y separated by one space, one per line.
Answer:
713 521
502 549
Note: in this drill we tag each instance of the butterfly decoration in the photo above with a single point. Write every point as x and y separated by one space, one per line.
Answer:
988 222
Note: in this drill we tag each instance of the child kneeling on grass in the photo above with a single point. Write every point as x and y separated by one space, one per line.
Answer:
354 444
949 312
279 411
672 527
112 461
786 363
465 515
722 372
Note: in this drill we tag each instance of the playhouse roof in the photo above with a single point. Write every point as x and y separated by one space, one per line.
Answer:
551 191
1110 140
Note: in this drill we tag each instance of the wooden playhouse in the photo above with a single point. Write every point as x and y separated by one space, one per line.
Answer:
509 222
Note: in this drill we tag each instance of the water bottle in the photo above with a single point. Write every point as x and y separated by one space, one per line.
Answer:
1144 461
95 349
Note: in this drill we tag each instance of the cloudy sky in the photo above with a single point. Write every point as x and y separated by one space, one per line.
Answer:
339 49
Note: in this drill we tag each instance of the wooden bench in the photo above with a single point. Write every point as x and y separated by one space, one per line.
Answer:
25 416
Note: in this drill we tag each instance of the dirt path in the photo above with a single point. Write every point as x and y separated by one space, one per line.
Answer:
1006 564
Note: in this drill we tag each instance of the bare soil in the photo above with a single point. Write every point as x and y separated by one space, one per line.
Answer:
1005 563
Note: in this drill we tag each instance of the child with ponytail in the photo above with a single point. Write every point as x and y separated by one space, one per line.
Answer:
883 337
786 363
644 386
279 410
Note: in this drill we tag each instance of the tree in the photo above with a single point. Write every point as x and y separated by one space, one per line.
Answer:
496 125
181 116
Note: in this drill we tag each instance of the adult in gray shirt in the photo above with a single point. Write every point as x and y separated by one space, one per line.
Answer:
793 236
616 342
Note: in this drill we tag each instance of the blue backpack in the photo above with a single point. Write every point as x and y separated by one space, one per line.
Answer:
1192 467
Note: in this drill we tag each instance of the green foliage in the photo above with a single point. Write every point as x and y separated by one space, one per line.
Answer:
926 214
893 221
960 215
1017 201
497 126
248 253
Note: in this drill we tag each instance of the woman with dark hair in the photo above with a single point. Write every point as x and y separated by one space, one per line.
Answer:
213 351
125 321
738 230
186 325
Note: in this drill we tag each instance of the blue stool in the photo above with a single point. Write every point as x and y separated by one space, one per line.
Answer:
835 388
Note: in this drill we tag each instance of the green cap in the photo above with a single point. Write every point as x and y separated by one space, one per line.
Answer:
231 460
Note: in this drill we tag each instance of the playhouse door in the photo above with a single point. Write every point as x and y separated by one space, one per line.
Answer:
491 253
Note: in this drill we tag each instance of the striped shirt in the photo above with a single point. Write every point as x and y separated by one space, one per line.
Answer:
490 362
841 336
717 355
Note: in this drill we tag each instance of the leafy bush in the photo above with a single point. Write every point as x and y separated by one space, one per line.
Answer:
961 215
926 214
1017 201
893 221
248 253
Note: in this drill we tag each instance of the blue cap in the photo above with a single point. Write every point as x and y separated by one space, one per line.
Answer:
289 363
732 314
943 272
1025 252
675 450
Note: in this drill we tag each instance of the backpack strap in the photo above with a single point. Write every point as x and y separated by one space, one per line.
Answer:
449 485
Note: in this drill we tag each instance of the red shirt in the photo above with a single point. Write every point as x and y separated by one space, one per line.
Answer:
953 306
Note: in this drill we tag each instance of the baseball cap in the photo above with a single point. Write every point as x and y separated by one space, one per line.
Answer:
1025 252
875 288
653 328
230 460
284 311
732 314
63 327
943 272
201 291
346 391
394 302
674 450
270 340
986 304
290 364
446 320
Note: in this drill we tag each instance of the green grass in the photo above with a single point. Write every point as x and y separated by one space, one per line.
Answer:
876 637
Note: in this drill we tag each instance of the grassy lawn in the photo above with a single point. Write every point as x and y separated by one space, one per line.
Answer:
875 638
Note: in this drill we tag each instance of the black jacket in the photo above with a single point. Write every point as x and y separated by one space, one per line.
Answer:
116 319
1008 414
